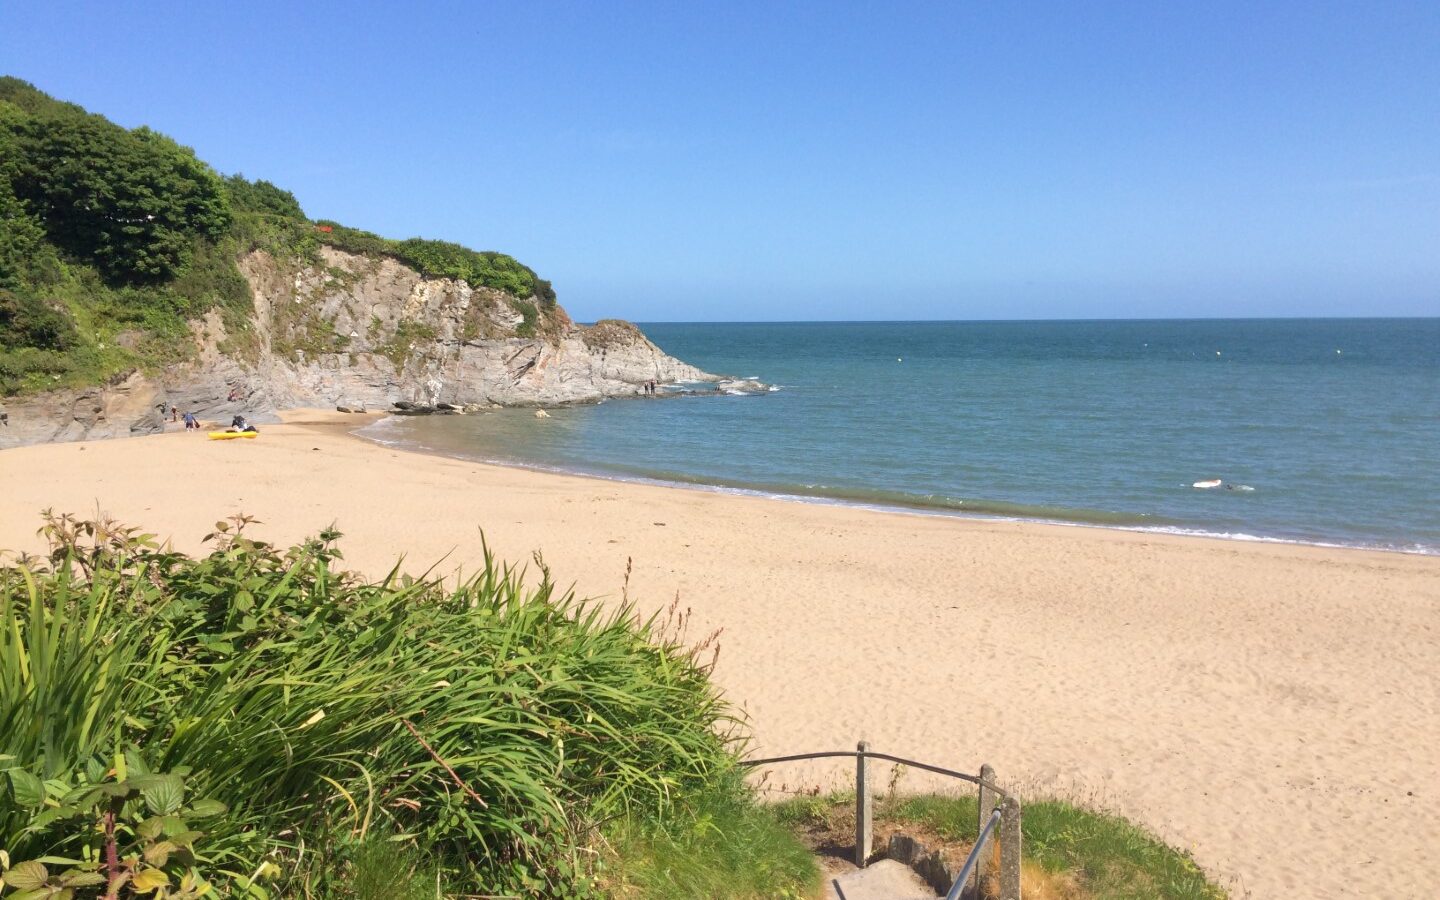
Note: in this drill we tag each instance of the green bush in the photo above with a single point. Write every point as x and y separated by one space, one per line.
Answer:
128 202
30 322
442 259
489 728
262 197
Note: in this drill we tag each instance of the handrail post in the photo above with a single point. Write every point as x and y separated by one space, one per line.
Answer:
1010 849
864 831
987 806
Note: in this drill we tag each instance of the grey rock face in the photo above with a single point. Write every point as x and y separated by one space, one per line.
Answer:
364 333
134 406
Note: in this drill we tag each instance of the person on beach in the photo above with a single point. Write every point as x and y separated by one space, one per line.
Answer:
174 413
191 423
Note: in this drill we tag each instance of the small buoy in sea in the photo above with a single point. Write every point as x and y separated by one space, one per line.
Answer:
899 359
1337 351
1217 352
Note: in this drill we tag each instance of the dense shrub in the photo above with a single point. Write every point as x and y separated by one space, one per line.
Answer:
128 201
262 197
30 322
490 728
442 259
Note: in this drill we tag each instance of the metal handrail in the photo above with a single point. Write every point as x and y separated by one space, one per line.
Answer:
855 754
973 858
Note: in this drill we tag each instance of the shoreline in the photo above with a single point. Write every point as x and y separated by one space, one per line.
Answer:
1178 680
896 508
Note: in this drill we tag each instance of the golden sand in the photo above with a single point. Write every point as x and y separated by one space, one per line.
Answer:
1274 708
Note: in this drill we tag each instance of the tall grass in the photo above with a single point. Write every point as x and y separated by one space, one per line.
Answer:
487 733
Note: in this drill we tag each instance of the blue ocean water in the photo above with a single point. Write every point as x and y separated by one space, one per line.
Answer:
1335 423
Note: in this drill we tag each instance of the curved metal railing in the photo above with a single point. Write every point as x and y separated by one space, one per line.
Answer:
871 754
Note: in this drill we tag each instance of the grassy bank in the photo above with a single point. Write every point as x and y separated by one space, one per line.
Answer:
1070 853
257 722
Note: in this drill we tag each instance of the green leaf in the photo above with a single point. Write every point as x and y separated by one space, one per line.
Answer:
135 764
29 790
50 815
81 879
186 838
201 809
149 880
159 854
165 795
170 825
27 876
150 828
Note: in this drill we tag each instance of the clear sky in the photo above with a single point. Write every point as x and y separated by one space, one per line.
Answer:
737 161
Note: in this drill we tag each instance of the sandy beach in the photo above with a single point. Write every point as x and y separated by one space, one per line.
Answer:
1273 708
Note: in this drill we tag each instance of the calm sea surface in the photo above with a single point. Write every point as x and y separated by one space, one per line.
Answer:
1334 423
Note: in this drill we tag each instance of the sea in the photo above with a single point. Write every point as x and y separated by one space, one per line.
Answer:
1321 431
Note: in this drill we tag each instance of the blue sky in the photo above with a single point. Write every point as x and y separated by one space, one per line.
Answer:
736 161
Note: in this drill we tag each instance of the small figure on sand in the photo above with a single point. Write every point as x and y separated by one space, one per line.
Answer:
174 413
191 423
239 424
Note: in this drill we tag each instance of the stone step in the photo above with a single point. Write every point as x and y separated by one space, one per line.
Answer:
882 880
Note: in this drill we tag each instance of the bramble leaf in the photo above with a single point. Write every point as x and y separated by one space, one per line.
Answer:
149 880
27 876
29 790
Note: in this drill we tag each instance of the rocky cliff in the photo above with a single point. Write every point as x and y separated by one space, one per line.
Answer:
362 332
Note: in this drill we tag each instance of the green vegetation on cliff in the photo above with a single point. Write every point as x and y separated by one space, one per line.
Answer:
113 240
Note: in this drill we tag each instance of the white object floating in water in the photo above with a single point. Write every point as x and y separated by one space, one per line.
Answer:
1337 351
1206 485
1217 352
899 359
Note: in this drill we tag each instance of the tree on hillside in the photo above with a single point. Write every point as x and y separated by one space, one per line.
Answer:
130 202
262 197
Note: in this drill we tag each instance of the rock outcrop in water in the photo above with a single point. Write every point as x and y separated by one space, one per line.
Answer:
358 331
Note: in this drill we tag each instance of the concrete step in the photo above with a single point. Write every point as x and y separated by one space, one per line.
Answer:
882 880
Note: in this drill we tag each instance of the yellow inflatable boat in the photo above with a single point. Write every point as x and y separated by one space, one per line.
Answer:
230 435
